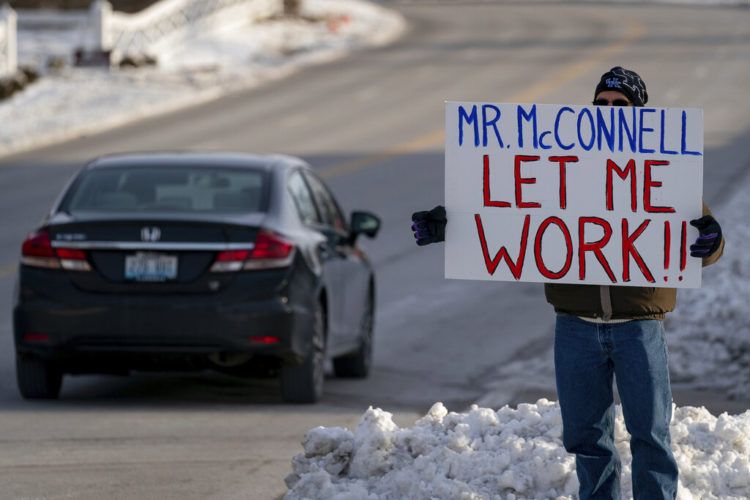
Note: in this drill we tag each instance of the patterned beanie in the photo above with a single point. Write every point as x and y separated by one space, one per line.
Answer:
626 82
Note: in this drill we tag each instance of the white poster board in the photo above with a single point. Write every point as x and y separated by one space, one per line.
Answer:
573 194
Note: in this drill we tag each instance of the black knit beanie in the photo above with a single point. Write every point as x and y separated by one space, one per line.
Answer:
625 81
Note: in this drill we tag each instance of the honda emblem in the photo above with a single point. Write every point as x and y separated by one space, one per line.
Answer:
150 234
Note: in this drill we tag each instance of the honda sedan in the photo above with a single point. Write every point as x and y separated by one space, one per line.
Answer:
238 263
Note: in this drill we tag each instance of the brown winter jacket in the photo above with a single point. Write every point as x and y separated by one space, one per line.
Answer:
618 302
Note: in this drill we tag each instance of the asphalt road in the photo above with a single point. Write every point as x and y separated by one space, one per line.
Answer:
372 125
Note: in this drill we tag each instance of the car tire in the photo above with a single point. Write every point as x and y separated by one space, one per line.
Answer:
36 378
357 364
303 383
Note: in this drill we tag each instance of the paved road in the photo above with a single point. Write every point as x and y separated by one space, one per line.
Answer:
371 125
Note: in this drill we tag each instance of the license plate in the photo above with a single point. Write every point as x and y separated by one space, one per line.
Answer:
150 267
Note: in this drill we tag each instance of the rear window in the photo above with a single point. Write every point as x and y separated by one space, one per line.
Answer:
168 189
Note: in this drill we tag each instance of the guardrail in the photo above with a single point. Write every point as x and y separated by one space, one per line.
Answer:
8 49
158 27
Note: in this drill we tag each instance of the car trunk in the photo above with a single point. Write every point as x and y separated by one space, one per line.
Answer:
153 255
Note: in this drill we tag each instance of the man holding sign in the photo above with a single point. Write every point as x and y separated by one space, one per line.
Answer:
594 202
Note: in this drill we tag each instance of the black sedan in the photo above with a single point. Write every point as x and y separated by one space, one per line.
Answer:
239 263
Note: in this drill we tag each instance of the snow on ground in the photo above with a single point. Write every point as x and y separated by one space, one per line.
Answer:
709 334
509 454
77 101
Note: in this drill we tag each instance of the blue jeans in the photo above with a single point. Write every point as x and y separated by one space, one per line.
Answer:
586 356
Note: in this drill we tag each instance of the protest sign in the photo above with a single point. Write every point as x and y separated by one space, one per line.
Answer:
573 194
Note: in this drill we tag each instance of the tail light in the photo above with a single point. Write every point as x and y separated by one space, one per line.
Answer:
265 339
271 251
230 260
73 259
37 251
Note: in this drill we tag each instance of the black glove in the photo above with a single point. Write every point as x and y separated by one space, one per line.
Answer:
710 237
429 227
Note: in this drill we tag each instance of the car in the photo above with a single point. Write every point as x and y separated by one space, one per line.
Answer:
190 261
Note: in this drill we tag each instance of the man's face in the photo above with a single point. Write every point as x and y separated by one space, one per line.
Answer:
611 98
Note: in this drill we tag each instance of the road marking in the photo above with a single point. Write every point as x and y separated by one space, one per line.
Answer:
8 270
634 31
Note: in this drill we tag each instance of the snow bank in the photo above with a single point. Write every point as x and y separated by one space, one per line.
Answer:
208 65
709 333
508 454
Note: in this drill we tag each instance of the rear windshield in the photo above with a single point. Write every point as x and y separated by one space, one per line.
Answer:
168 189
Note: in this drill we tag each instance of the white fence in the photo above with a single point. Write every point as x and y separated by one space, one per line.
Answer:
165 23
8 49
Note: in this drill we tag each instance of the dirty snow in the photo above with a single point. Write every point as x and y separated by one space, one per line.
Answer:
507 454
78 101
518 454
709 333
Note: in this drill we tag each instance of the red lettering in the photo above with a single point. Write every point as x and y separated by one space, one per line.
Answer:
488 201
628 249
491 263
648 183
623 174
538 248
523 180
667 243
563 161
683 247
595 246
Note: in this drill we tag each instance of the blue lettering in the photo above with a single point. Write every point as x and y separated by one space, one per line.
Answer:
683 148
469 118
557 128
663 125
592 128
627 131
491 123
530 116
603 131
542 144
644 129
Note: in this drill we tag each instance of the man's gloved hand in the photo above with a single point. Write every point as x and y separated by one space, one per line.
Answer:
429 227
710 237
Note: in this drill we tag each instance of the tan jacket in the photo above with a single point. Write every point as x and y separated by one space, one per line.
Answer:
618 302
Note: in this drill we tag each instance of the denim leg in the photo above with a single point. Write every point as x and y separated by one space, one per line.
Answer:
583 373
642 374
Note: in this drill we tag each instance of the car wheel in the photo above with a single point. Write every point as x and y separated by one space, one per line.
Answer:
37 379
303 383
357 364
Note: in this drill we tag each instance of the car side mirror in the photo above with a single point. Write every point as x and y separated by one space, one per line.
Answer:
364 223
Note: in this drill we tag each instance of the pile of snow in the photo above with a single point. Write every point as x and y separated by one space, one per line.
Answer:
78 101
508 454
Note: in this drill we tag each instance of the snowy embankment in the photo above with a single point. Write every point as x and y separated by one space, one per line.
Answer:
709 333
78 101
506 454
518 454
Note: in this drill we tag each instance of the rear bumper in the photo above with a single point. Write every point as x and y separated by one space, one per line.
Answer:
86 324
